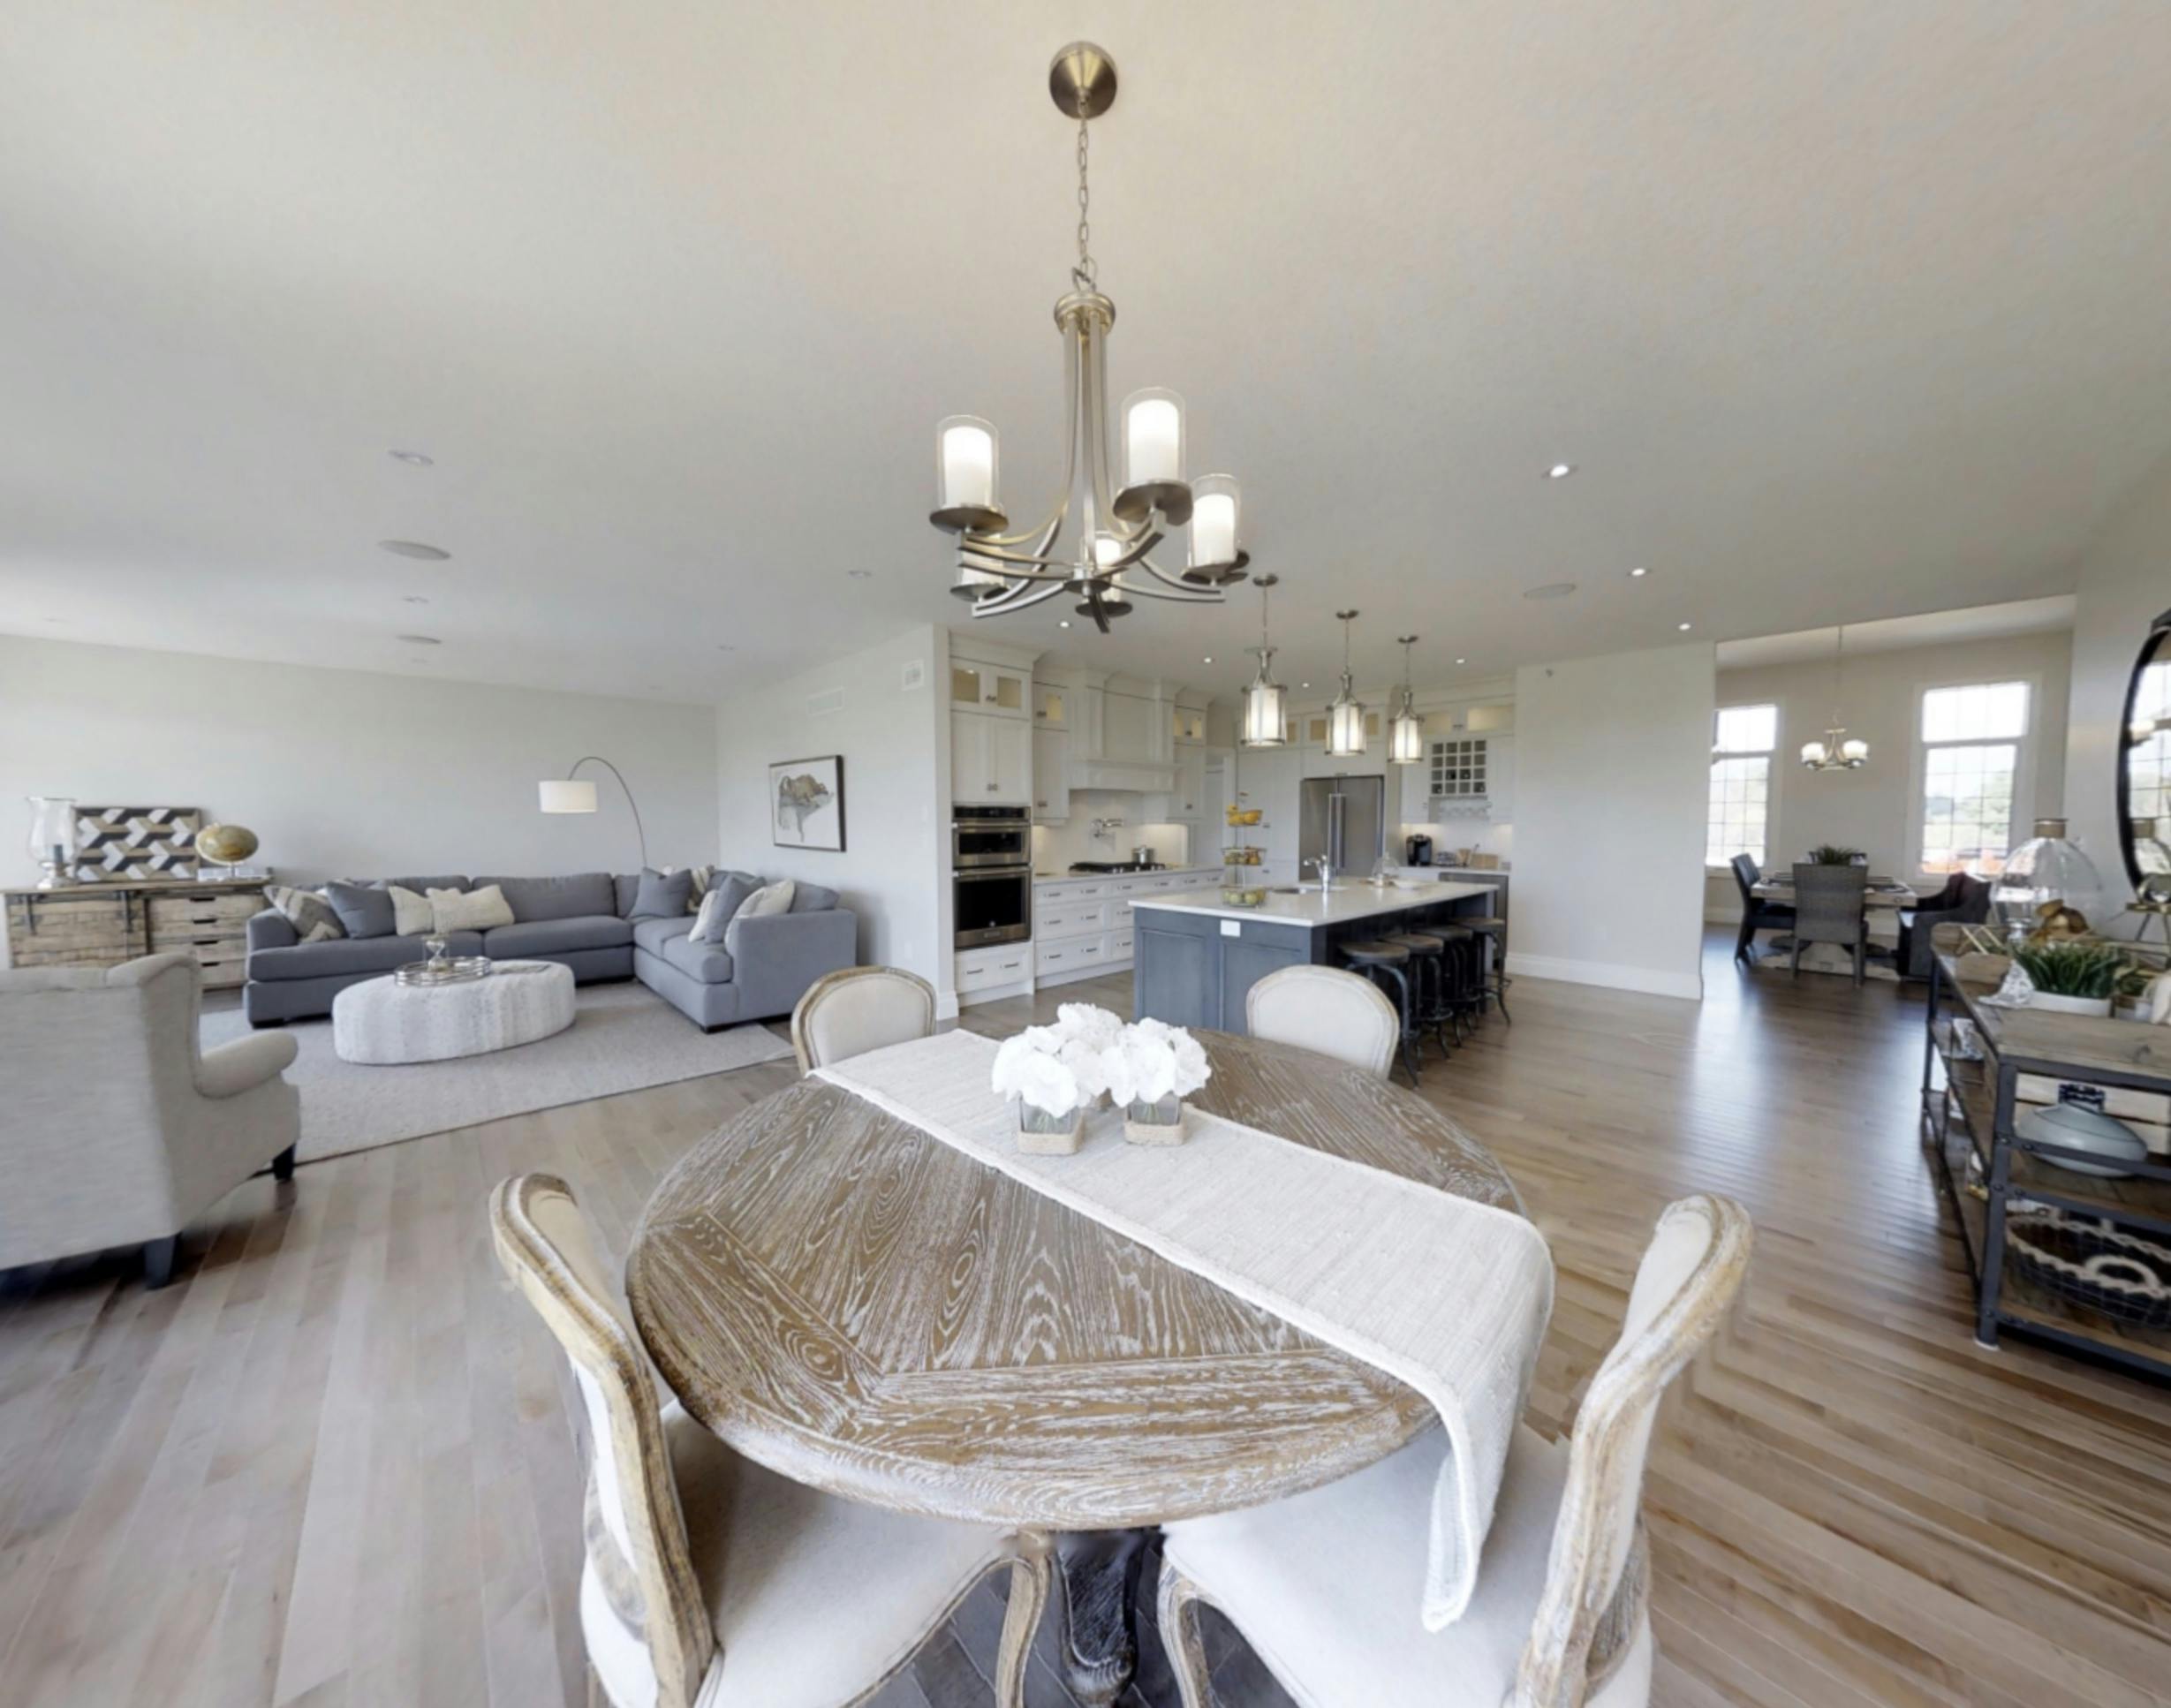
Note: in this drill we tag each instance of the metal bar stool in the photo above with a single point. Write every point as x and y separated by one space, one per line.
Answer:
1374 957
1492 984
1428 964
1458 970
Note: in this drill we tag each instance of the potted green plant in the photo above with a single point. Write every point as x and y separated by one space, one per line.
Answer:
1835 854
2070 977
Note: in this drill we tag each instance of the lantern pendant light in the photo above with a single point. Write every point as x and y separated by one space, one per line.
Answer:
1263 723
1405 742
1345 718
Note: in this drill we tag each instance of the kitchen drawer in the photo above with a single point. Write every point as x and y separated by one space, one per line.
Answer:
1071 954
1121 945
1004 964
1071 918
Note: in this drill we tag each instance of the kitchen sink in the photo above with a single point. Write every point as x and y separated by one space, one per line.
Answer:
1304 890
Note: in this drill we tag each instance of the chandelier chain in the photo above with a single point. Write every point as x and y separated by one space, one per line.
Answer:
1086 274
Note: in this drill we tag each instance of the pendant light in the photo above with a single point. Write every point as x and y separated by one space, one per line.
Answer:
1405 740
1345 718
1837 751
1263 719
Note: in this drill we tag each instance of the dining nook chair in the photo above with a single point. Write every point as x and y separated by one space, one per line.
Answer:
856 1010
708 1578
1831 905
1324 1008
1756 913
1325 1585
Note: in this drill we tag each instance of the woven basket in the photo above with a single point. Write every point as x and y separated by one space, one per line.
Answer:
2094 1264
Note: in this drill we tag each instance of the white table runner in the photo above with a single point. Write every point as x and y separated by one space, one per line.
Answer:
1446 1295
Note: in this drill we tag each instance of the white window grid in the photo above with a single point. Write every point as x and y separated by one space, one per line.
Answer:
1971 737
1739 819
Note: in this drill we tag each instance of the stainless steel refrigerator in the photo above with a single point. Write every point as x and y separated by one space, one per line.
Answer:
1344 819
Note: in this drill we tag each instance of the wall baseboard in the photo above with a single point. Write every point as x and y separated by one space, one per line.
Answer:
946 1005
1612 975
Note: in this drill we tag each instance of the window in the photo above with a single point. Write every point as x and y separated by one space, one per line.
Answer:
1971 739
1741 783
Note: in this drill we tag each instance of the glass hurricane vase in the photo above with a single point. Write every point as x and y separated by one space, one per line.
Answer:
1042 1133
1158 1122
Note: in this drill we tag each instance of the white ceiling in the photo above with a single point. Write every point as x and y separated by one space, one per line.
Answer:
1844 311
2019 616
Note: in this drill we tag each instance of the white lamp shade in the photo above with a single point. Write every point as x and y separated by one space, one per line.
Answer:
1215 520
1855 752
966 463
1153 437
1345 728
566 795
1813 753
1262 714
1406 739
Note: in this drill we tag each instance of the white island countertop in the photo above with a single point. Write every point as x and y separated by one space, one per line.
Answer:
1344 903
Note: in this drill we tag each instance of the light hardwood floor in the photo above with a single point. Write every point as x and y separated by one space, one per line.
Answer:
333 1464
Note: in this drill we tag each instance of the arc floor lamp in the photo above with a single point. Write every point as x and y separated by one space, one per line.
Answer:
571 794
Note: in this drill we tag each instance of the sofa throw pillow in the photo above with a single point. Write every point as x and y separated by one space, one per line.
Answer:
719 907
770 898
412 913
704 877
662 894
363 911
469 910
308 912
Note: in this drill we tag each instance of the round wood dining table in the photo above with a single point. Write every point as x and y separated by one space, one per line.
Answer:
859 1306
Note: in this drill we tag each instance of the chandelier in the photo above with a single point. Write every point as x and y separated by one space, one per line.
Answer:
1262 723
1835 752
1103 562
1405 739
1345 718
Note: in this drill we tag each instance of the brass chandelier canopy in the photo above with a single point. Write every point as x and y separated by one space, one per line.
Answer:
1103 562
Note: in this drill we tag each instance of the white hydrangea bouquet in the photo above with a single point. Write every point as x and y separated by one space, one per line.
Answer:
1055 1074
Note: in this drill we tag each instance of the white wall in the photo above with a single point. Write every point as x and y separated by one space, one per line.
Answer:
1874 808
2124 584
1613 758
343 772
894 872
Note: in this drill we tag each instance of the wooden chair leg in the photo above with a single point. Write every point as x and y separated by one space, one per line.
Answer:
1021 1621
1179 1636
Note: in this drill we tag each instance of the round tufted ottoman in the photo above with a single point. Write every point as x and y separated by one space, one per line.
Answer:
382 1021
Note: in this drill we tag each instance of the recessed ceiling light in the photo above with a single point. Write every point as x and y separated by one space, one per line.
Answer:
420 640
414 549
1064 623
1638 572
1206 660
1683 627
860 575
1560 470
1551 590
421 459
1462 661
1304 685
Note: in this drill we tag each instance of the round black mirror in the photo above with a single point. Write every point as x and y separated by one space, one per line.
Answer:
2145 767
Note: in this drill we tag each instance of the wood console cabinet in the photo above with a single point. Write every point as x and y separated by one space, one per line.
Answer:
104 925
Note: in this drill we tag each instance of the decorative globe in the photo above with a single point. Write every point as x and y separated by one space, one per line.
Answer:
226 844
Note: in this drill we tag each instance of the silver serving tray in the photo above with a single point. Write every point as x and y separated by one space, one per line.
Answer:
461 969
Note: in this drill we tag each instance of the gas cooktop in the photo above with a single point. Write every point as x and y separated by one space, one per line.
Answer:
1117 865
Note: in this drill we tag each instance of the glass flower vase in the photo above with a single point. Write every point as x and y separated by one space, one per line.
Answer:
1158 1122
1042 1133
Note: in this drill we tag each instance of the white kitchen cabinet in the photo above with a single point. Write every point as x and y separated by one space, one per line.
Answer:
994 689
990 759
1188 803
1051 775
1051 706
1189 724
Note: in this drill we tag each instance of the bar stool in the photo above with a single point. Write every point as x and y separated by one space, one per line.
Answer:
1374 957
1428 973
1494 983
1459 969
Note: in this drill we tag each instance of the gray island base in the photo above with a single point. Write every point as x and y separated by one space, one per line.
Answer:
1195 957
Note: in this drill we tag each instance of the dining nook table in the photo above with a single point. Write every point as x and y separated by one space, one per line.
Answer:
858 1305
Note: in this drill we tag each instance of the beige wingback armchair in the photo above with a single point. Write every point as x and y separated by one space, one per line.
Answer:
116 1128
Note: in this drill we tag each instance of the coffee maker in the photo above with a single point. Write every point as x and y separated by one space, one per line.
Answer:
1418 851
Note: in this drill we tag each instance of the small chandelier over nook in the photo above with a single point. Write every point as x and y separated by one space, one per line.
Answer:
1345 718
1110 528
1405 741
1263 718
1835 752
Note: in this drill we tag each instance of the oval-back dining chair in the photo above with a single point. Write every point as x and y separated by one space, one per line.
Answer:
856 1010
1326 1585
1324 1008
708 1578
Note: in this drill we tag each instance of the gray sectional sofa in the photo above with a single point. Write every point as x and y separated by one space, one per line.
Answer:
759 971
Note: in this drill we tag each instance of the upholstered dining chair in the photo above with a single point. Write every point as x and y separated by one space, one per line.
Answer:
1831 906
708 1578
1324 1008
1756 913
859 1009
1325 1585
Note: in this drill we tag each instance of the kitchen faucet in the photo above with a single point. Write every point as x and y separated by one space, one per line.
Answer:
1326 872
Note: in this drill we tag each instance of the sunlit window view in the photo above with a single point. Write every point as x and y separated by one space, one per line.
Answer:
1741 783
1971 737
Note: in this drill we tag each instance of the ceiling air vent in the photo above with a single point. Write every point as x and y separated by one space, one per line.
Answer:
828 700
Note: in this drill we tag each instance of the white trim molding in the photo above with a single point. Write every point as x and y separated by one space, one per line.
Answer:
1612 975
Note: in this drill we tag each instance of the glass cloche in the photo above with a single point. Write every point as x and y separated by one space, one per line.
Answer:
2047 871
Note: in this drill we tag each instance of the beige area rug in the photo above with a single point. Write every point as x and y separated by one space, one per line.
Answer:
625 1038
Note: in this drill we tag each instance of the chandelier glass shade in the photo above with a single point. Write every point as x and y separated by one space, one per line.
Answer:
1264 721
1345 717
1837 751
1405 733
1121 491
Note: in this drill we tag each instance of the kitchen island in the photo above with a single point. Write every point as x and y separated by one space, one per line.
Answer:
1197 956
